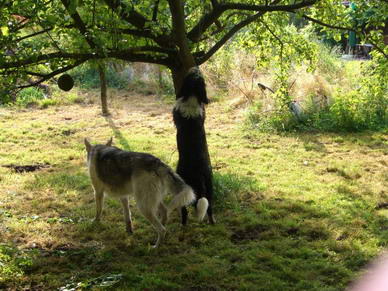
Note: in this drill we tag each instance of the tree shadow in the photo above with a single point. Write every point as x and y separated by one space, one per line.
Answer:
311 142
369 139
118 134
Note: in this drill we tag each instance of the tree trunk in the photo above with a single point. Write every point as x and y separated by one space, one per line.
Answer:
177 78
104 103
179 31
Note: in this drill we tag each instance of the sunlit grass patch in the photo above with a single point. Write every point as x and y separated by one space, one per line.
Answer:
62 183
230 189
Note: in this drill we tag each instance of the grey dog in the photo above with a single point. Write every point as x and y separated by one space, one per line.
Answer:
121 174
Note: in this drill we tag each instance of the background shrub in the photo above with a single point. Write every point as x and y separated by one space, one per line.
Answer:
29 96
337 96
86 76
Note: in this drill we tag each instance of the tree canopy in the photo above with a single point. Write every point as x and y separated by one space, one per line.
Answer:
44 38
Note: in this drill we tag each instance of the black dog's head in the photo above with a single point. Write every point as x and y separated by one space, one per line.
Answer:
194 85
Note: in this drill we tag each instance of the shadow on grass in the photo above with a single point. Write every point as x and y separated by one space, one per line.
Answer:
312 143
118 134
375 140
275 243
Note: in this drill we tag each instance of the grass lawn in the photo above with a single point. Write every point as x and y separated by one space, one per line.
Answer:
298 211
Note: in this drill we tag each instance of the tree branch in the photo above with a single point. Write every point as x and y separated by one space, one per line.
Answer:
137 54
134 32
325 24
273 33
33 73
218 9
379 49
32 34
220 27
127 55
50 75
268 8
132 55
155 12
129 15
146 48
214 2
20 25
179 32
227 36
343 28
79 23
205 22
32 60
138 21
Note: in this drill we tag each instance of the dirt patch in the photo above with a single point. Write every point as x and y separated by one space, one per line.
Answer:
27 168
68 132
292 231
250 233
382 205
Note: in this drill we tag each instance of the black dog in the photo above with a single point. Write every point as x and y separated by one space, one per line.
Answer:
194 162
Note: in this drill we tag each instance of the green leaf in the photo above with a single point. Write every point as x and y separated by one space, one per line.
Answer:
5 30
52 19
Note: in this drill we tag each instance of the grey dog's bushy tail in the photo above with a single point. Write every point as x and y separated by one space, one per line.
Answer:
184 195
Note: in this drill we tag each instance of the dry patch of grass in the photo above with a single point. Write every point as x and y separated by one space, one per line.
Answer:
294 211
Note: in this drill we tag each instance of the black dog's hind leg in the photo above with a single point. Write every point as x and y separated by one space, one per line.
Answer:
184 215
209 190
210 213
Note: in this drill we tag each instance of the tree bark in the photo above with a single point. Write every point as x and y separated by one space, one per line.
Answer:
104 97
179 31
177 78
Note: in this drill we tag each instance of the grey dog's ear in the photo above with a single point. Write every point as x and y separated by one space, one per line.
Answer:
87 145
109 142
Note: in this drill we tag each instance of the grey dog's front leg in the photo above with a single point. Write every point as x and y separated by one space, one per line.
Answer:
127 214
99 196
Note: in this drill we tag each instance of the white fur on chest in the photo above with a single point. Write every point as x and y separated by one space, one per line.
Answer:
189 108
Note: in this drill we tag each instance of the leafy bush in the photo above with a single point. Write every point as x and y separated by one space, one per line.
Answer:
362 108
219 71
338 96
166 85
328 60
87 76
35 97
5 97
29 96
273 121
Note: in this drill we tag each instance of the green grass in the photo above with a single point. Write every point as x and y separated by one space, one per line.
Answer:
294 211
